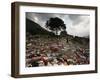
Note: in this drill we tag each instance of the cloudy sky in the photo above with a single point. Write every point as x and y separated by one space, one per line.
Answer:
77 25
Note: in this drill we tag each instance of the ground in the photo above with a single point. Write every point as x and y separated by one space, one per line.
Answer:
44 50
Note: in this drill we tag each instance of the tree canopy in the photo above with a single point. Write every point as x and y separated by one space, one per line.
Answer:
55 24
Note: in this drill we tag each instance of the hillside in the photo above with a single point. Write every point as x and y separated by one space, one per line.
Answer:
42 49
34 28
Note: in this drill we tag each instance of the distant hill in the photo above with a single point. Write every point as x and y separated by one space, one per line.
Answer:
34 28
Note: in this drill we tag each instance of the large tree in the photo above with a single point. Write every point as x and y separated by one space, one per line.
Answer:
55 24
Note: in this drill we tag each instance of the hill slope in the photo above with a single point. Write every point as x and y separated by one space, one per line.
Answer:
35 28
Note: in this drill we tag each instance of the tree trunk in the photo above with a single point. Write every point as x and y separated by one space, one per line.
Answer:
56 32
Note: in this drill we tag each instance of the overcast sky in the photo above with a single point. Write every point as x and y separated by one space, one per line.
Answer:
77 25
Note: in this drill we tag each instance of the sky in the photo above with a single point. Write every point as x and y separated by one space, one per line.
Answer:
76 24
